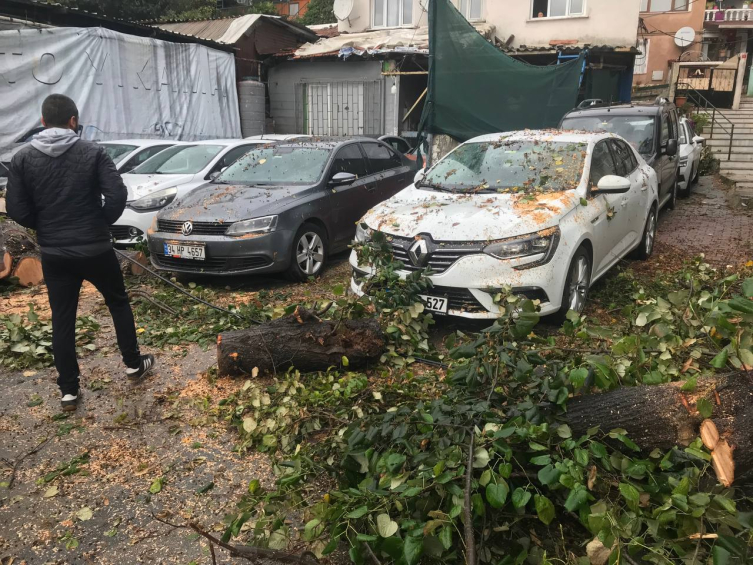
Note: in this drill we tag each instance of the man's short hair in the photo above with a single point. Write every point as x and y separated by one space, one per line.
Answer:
57 110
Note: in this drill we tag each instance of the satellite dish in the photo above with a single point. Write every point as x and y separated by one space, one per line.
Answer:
342 9
685 37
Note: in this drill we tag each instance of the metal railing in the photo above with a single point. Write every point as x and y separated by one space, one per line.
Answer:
729 15
700 101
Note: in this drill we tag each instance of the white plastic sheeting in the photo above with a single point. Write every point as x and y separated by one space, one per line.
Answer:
123 85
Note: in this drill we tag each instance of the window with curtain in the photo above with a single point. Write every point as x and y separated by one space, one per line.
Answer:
392 13
557 8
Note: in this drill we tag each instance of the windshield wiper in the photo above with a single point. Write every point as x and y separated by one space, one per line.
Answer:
433 186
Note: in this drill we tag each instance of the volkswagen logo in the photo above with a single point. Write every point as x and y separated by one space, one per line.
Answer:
419 253
187 228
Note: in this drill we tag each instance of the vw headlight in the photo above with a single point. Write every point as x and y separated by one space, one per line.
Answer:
363 233
155 200
265 224
542 243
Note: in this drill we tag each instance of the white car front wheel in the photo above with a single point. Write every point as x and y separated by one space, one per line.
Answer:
577 284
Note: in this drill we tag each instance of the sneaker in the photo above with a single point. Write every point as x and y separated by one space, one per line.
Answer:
69 403
147 364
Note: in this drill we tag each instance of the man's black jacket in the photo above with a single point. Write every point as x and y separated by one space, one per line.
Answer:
61 197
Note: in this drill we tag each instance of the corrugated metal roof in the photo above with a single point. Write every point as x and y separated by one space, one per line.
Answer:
570 49
230 30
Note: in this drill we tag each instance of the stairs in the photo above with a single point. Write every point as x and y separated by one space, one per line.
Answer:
736 166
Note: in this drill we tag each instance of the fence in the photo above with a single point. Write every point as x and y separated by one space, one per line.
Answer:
340 108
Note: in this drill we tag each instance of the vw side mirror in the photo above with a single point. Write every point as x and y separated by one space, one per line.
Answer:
671 149
340 179
612 184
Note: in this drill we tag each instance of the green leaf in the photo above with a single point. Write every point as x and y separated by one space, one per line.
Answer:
412 548
338 290
544 508
206 488
549 475
156 485
564 431
84 514
496 494
748 288
720 360
578 377
720 555
520 498
480 458
630 493
577 497
359 512
386 526
445 537
254 486
583 202
485 478
726 503
705 407
345 361
689 385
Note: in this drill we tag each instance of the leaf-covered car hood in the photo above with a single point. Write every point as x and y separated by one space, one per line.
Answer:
141 185
469 217
231 202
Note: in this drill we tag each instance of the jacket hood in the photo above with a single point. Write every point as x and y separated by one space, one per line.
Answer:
469 217
141 185
230 203
55 141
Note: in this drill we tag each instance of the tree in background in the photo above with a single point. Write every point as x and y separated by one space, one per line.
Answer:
319 12
138 10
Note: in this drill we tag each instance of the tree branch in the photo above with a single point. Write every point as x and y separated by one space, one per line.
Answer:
470 541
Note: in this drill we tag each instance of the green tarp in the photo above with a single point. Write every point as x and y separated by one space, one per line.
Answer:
474 88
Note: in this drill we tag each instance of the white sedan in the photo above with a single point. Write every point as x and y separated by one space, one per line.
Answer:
545 213
169 175
691 146
127 154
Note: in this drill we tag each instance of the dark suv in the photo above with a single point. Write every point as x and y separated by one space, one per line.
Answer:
653 129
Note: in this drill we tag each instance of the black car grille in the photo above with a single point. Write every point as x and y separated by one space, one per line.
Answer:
123 232
199 228
213 264
441 255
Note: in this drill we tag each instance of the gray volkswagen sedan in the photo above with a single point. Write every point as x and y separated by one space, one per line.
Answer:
279 208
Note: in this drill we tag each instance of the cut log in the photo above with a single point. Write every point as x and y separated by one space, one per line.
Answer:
709 434
17 240
724 464
657 417
131 268
28 271
300 340
6 264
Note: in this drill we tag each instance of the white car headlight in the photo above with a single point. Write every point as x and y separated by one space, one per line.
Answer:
363 233
265 224
155 200
525 246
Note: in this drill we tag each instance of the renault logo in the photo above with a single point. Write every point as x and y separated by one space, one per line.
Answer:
187 228
419 253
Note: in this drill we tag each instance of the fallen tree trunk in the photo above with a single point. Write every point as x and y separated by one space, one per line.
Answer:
662 416
19 255
300 340
131 268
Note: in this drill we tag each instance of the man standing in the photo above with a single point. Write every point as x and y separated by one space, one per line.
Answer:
70 192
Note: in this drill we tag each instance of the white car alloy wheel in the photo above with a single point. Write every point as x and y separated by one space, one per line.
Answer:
309 254
580 275
648 240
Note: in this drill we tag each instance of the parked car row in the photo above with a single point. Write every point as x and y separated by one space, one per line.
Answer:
545 213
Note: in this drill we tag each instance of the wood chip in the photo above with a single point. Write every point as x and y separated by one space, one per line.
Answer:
724 464
709 434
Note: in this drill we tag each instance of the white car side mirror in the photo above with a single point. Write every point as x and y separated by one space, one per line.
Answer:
419 176
612 184
700 140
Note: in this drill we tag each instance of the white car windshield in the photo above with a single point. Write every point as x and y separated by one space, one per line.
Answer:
117 151
277 165
181 159
636 130
527 166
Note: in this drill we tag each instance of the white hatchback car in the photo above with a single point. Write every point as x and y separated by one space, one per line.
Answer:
690 149
545 213
127 154
169 175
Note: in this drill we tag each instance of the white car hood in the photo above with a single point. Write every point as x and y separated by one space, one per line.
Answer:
469 217
140 185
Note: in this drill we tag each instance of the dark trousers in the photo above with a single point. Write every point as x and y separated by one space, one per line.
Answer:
64 277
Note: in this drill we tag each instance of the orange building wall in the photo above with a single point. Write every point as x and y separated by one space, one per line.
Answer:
283 8
660 30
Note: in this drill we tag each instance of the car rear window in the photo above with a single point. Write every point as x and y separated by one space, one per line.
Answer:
638 131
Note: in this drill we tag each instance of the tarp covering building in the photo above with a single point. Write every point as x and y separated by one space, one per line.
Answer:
474 88
124 86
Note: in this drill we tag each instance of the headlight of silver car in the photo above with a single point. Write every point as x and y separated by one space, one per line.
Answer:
363 233
155 200
264 224
541 243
